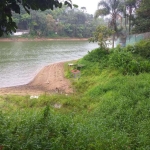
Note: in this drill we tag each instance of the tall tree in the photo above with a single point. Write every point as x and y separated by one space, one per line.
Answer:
112 8
130 8
142 19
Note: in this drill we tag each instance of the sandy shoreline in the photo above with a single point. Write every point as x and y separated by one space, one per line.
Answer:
49 80
40 39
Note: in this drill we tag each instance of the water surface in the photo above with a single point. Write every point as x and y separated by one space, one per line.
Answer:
21 61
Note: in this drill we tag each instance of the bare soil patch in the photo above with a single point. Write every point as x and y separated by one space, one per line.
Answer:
49 80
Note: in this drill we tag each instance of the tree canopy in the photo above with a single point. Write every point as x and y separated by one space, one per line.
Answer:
64 22
142 20
126 16
7 7
112 8
101 36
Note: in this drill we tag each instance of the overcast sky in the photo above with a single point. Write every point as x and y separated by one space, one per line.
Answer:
91 5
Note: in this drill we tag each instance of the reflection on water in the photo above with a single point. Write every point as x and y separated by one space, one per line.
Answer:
20 61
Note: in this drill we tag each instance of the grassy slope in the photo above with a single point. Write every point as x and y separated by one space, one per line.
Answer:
108 111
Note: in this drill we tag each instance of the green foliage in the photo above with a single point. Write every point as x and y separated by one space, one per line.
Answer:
59 22
127 64
96 55
141 48
7 25
101 35
142 20
129 60
113 9
124 100
114 114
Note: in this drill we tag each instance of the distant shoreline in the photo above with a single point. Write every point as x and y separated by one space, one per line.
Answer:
18 39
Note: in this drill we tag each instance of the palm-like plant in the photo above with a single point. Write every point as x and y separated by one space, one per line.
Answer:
130 6
113 8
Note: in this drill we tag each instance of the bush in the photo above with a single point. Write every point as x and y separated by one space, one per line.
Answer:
122 59
96 55
127 64
141 48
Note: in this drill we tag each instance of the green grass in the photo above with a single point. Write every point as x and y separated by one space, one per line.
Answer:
109 111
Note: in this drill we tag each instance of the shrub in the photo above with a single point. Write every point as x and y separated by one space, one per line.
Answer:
96 55
141 48
129 60
126 62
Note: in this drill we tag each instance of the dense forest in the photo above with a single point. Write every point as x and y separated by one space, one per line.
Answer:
123 16
63 22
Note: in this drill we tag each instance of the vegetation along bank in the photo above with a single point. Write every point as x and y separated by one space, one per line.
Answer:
110 108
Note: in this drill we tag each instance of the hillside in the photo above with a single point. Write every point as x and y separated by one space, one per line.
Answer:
110 109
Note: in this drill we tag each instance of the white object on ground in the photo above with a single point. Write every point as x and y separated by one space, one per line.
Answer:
31 97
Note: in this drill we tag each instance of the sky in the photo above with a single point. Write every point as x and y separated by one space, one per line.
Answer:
91 5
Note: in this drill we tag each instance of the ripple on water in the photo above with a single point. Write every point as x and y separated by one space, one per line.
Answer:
20 61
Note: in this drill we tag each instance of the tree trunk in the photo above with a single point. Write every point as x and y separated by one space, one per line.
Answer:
113 40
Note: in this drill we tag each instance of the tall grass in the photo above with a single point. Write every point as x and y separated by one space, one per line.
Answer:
110 109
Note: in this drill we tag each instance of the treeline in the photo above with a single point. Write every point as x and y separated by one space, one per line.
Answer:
63 22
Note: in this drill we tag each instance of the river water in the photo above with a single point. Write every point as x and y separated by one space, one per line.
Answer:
21 61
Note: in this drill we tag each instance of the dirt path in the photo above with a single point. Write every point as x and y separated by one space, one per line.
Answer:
49 80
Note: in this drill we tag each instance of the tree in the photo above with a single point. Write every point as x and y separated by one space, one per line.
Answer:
77 23
130 7
142 20
7 7
112 8
51 25
101 35
65 22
